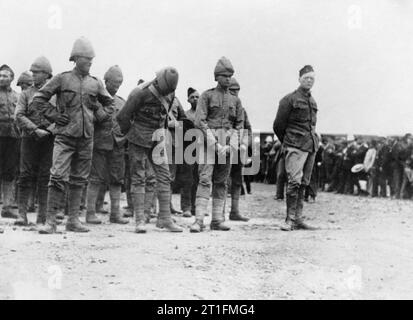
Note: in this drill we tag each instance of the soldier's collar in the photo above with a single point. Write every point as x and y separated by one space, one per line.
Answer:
223 89
80 75
303 91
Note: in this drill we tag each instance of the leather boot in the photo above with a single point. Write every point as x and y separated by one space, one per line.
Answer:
234 214
74 198
42 209
288 225
148 205
299 224
101 200
54 203
92 195
7 210
217 222
139 211
31 207
115 216
201 209
23 200
164 217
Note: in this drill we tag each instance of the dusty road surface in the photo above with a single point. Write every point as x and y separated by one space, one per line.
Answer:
364 250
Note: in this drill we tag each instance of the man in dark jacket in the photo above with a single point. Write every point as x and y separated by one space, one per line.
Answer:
294 126
9 140
400 154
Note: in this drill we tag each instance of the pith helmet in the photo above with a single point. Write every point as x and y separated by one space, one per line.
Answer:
167 79
41 64
25 77
82 48
113 73
224 68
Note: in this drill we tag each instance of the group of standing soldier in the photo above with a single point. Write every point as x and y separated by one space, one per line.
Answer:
73 132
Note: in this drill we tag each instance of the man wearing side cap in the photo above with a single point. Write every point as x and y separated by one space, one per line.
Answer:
190 170
148 105
36 146
25 80
294 126
219 115
81 100
9 140
108 162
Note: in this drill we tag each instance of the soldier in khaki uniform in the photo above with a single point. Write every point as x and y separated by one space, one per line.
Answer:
9 140
148 105
80 98
221 111
108 163
36 147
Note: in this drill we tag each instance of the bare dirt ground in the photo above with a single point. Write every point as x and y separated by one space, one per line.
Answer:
364 251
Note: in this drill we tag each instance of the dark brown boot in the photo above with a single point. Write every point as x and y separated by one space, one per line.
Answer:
217 222
91 196
74 198
23 199
7 209
234 214
42 209
139 211
288 225
54 203
164 218
115 216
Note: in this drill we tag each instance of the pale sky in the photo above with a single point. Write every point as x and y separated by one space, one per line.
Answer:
362 51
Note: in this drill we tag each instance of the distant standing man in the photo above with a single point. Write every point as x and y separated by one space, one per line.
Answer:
81 100
294 126
9 140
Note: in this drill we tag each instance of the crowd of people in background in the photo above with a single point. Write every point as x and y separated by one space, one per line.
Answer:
382 166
